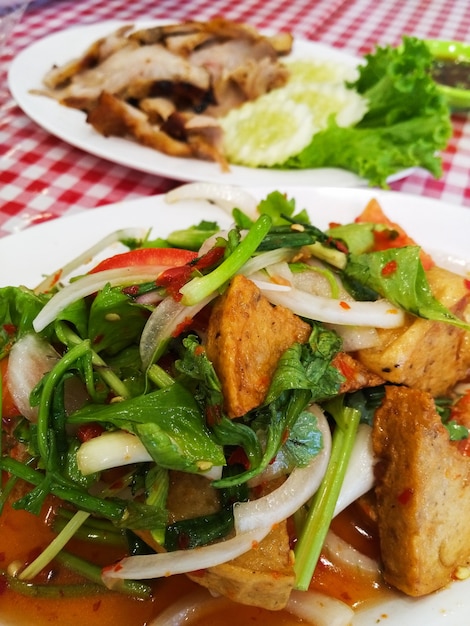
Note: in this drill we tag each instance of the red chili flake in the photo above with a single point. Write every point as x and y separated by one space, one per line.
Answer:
238 457
86 432
339 245
98 339
10 329
334 224
344 305
173 279
405 496
345 368
132 290
186 323
389 268
96 606
183 541
209 259
466 282
285 436
213 414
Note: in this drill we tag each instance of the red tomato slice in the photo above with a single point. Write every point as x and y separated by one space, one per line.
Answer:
170 257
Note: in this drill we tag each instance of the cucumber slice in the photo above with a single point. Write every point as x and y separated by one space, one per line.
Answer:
267 131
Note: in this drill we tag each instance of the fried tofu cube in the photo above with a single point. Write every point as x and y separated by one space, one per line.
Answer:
426 355
263 577
246 337
423 494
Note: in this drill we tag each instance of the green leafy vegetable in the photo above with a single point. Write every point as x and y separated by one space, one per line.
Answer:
398 275
168 422
407 120
323 503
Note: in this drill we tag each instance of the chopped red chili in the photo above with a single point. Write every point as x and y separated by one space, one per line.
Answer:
389 268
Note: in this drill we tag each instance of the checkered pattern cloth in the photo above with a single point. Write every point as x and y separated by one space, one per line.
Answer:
42 177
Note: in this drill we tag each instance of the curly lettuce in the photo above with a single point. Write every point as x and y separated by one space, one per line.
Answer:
406 124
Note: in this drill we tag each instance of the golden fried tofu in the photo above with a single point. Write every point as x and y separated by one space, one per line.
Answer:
426 355
263 577
246 337
423 494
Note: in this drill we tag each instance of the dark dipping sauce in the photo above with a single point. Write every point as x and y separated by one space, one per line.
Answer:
451 73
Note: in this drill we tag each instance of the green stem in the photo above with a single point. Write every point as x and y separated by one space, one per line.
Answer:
159 377
88 533
93 573
53 549
57 372
81 499
35 590
68 337
323 503
201 287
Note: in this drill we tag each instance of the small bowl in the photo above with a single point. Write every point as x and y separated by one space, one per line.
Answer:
452 71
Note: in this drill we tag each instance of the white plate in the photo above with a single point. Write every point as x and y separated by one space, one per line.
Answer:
437 226
28 68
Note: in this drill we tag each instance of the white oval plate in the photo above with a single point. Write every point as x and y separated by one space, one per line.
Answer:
30 65
441 228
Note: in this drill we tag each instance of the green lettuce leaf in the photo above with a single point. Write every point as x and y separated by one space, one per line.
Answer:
407 120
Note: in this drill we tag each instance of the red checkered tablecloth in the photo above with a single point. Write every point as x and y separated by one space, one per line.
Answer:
42 177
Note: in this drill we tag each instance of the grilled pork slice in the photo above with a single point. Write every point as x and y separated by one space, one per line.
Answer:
131 72
99 50
186 37
431 356
423 494
246 337
178 135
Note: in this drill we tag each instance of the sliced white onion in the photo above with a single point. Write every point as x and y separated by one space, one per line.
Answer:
359 478
91 283
87 255
164 321
340 550
30 358
117 448
194 606
299 487
356 337
182 561
266 285
380 314
227 197
278 467
319 609
279 505
266 259
211 241
111 449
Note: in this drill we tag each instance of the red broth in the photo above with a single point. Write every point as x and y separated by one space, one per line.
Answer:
23 536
